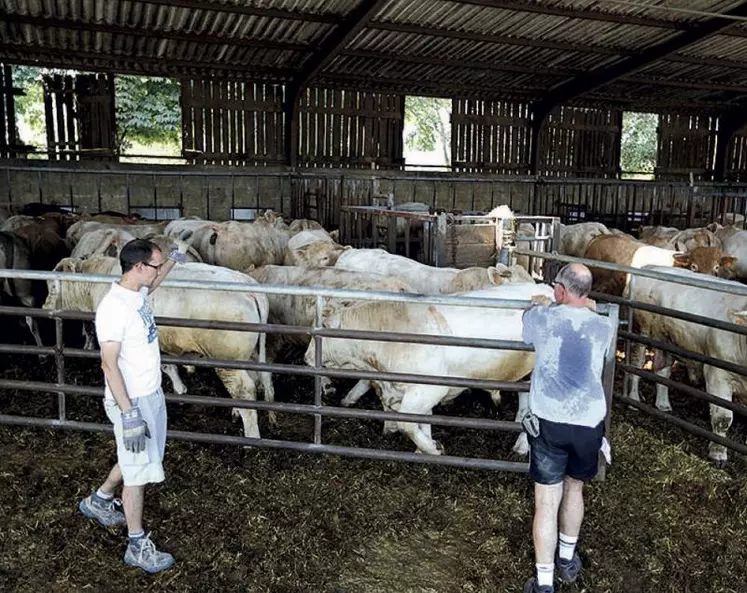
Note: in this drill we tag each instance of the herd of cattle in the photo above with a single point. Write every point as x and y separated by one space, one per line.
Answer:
273 251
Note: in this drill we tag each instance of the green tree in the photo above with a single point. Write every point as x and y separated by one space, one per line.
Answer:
428 117
638 146
147 109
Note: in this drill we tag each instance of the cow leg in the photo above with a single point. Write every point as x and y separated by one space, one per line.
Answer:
240 386
495 395
719 383
34 329
662 391
172 373
327 387
358 391
88 335
637 359
521 446
421 400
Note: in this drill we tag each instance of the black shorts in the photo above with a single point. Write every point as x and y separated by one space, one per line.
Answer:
564 450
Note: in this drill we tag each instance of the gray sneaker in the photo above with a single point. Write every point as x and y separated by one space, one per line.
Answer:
143 554
107 512
568 570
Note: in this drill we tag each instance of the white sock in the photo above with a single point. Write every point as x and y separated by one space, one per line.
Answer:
135 537
104 495
545 574
566 545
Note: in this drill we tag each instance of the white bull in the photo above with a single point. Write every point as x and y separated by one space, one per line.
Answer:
424 279
715 343
474 363
313 248
213 305
240 245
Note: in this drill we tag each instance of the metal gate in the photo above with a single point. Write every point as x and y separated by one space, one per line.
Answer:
318 410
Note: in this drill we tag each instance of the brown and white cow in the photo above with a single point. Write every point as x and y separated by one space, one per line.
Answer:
629 252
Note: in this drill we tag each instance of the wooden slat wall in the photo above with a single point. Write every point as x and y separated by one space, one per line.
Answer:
686 144
736 157
232 122
94 95
59 105
491 136
80 116
343 128
9 141
580 142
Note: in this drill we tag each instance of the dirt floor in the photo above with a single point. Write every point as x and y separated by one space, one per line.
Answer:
258 521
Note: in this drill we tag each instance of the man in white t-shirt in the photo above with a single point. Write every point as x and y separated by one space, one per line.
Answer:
134 400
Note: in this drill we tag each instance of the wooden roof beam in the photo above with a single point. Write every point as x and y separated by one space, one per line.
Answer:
590 81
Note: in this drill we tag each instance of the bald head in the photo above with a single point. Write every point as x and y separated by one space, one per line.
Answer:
575 278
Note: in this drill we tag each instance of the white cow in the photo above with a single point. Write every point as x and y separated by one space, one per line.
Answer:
575 238
677 240
141 231
715 343
301 310
215 305
476 363
735 244
241 245
424 279
313 248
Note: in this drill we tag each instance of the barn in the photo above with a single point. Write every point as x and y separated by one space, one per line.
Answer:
296 110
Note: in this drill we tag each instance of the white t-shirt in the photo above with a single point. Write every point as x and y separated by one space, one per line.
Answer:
125 316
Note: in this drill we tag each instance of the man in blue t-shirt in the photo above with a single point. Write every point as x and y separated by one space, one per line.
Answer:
567 398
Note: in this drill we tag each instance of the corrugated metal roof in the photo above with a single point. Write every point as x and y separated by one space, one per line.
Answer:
486 47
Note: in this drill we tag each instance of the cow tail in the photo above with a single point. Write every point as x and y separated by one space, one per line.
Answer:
265 377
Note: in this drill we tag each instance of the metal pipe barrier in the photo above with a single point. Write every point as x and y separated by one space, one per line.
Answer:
719 285
318 333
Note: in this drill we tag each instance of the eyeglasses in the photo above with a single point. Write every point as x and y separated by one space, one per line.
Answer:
156 268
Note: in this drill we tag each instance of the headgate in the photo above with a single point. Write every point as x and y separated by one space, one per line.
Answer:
318 333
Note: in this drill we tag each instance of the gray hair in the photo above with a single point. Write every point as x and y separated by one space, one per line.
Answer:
575 278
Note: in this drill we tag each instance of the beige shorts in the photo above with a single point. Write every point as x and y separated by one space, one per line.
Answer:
145 467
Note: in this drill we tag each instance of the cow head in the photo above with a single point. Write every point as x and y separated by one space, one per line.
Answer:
706 260
318 254
692 238
738 317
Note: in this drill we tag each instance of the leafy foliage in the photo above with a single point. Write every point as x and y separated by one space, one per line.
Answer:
147 110
428 117
638 147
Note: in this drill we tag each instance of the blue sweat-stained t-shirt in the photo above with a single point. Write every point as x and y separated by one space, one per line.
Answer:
570 346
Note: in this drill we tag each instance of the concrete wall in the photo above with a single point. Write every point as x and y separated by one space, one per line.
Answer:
211 192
